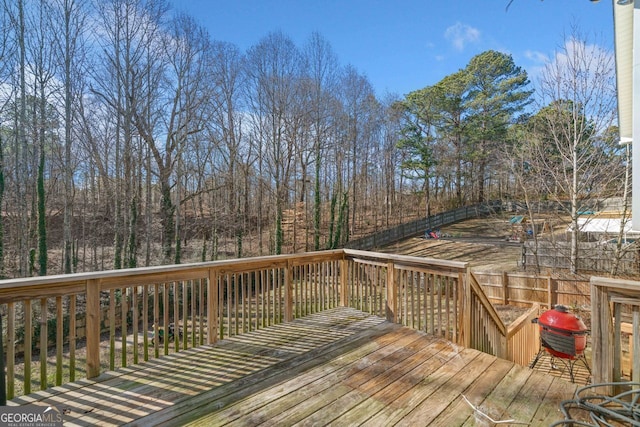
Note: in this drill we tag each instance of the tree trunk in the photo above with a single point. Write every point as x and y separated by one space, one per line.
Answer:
167 211
21 151
42 213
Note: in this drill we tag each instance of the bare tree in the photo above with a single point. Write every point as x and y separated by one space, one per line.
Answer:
42 69
187 50
621 243
322 67
226 132
129 86
71 24
8 54
391 159
274 70
577 95
359 101
20 147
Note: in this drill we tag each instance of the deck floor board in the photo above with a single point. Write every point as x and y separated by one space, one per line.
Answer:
302 392
341 367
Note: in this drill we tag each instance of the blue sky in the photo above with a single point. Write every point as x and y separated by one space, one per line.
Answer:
405 45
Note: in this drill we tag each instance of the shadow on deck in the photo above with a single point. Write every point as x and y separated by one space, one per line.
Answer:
341 366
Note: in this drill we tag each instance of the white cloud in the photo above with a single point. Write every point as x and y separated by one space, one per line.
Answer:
537 57
461 34
577 52
584 73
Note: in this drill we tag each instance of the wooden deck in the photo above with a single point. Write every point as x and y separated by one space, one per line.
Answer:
339 367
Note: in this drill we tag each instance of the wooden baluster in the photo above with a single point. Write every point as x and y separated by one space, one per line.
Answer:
44 338
156 319
176 317
135 319
72 337
264 298
11 349
201 311
186 312
288 294
213 301
28 328
165 317
145 322
112 329
124 327
59 339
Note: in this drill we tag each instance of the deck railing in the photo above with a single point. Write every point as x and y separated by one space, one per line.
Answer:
95 322
88 323
614 302
424 294
438 297
523 337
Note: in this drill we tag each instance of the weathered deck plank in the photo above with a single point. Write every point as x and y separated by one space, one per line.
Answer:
495 405
459 410
339 367
525 404
438 401
355 387
301 394
419 385
549 409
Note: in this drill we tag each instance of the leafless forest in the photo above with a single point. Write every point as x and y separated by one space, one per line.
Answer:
129 137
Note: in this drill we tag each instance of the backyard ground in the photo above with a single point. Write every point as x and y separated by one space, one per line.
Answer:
482 242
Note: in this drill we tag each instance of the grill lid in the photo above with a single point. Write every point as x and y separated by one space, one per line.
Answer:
559 318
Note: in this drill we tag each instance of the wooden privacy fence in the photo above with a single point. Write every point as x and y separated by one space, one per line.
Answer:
521 289
151 312
418 227
593 256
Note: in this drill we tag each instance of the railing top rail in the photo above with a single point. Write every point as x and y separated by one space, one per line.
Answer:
407 259
631 287
523 320
59 285
143 275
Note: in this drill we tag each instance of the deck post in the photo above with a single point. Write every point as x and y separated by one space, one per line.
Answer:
392 294
634 346
601 334
552 286
465 279
212 306
93 327
505 288
344 282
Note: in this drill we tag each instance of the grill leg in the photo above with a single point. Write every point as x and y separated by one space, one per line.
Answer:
538 356
570 365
